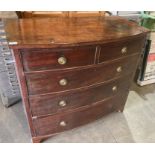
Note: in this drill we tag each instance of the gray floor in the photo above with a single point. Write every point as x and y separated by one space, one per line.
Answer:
135 124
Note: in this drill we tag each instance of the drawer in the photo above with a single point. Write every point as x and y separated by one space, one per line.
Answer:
120 49
65 121
60 102
47 59
55 81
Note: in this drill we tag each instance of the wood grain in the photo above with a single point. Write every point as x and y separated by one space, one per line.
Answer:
67 31
49 104
98 74
48 81
51 124
44 59
115 49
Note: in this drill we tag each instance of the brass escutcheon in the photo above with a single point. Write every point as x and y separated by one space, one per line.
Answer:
124 50
63 123
62 60
63 82
62 103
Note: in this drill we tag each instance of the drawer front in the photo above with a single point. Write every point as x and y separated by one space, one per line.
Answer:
53 81
60 102
58 123
120 49
45 59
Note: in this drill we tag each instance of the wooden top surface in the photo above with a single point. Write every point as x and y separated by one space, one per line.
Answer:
69 31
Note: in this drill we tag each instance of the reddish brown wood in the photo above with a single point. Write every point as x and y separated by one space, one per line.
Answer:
31 14
23 88
70 31
92 47
37 139
48 81
51 124
88 13
133 46
51 14
49 104
44 59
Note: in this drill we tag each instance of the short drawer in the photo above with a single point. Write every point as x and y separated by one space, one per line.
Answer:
47 59
59 123
56 81
120 49
60 102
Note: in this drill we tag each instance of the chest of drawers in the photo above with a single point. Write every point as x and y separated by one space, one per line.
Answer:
73 71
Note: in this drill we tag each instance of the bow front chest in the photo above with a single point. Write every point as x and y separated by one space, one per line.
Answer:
73 71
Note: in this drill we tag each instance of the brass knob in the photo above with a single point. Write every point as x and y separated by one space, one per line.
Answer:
119 69
52 41
63 123
63 82
114 88
62 60
124 50
62 103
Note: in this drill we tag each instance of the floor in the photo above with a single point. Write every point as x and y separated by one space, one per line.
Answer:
135 124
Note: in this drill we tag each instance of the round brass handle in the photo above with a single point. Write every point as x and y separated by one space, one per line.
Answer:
119 69
63 82
63 123
124 50
62 103
62 60
114 88
52 41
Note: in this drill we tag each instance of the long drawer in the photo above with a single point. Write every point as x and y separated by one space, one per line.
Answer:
55 81
60 102
65 121
45 59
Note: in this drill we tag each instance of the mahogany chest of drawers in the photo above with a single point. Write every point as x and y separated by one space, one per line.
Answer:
73 71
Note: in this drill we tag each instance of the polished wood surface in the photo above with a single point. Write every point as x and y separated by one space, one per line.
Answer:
51 14
45 59
49 104
52 124
43 14
116 49
73 70
48 81
88 13
73 31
